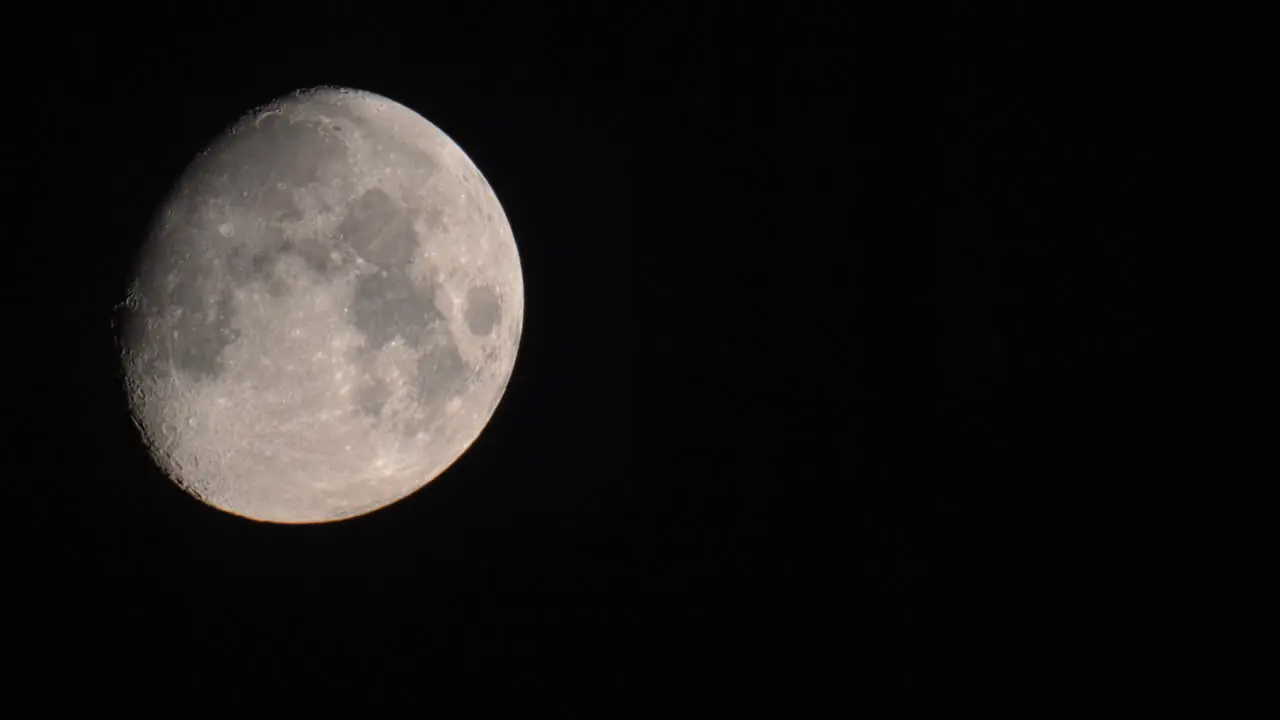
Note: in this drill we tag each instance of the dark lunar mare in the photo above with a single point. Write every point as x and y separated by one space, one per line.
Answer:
442 373
388 303
379 230
483 311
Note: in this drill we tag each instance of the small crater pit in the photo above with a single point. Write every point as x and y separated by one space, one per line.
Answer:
372 396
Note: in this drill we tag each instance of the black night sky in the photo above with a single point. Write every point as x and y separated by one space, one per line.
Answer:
830 322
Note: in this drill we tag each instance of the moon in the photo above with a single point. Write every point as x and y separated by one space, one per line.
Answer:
325 313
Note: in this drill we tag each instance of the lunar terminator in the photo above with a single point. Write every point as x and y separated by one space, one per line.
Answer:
326 311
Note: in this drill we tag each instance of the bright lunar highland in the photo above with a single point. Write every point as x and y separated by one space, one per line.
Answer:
325 313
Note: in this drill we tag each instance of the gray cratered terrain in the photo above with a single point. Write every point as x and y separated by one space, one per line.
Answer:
326 312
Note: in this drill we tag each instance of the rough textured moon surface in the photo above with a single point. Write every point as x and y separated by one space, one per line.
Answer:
325 313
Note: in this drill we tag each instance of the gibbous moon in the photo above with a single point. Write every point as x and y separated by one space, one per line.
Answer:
326 311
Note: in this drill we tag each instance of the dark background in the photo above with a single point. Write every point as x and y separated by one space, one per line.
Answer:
829 377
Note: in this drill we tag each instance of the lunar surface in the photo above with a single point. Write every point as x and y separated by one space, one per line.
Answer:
326 311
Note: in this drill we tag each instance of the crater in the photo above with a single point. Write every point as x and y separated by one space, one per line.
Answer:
482 310
379 229
285 273
371 396
388 303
